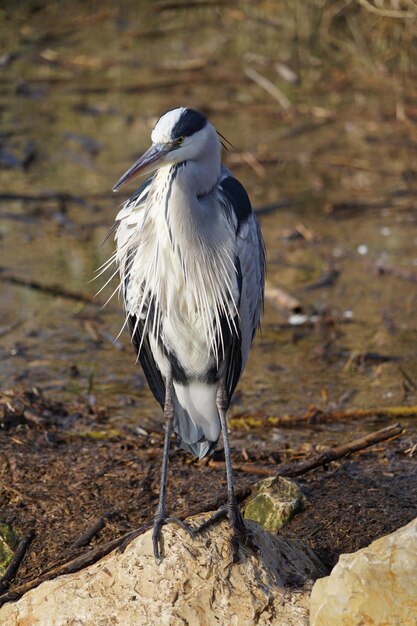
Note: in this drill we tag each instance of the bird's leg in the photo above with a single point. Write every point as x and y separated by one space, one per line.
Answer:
161 517
231 510
160 514
234 514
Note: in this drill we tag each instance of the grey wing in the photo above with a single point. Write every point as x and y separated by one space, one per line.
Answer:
150 369
251 254
250 271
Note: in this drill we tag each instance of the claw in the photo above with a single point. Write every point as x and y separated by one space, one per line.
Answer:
160 520
230 510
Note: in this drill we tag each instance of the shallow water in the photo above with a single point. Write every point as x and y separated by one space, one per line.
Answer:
81 87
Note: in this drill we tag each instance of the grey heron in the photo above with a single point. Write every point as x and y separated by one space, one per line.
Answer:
191 260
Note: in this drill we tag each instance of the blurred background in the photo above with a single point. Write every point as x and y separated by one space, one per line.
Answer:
318 98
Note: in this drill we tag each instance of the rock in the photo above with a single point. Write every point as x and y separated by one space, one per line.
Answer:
274 501
196 584
374 586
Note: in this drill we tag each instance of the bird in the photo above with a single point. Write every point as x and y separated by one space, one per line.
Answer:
191 261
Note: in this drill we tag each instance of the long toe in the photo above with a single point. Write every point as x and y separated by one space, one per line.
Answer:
236 520
234 516
156 539
232 512
162 520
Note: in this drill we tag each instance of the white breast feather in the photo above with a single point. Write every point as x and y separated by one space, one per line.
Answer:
192 282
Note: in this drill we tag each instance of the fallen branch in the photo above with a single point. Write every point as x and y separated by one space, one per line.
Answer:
397 272
290 469
327 279
315 415
266 209
56 196
52 290
14 564
246 468
91 531
339 452
282 299
387 12
268 86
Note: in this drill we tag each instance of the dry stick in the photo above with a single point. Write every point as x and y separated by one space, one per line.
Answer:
397 272
288 469
387 12
265 209
393 431
53 290
282 299
91 531
246 468
14 564
272 89
314 415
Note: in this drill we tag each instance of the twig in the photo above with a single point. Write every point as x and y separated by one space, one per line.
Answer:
215 503
5 330
315 415
386 12
281 299
407 378
395 430
174 6
272 89
246 468
266 209
91 531
397 272
288 469
55 196
327 279
53 290
14 564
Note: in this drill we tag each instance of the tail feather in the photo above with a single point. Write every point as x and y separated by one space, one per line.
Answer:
200 449
196 421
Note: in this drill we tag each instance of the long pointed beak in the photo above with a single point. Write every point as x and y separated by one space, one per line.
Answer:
156 152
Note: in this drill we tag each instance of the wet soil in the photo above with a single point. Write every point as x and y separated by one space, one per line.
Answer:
63 467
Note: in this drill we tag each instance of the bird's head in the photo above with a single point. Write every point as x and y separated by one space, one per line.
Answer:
179 135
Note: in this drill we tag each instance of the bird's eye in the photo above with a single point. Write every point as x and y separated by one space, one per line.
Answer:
180 140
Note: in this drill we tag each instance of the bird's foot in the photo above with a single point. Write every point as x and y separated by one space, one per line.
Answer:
232 512
160 520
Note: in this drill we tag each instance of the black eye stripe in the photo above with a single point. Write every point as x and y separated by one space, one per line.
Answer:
189 123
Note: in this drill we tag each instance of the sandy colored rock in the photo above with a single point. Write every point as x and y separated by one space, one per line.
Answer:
273 502
196 584
376 586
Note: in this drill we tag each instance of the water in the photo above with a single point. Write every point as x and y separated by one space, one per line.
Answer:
81 87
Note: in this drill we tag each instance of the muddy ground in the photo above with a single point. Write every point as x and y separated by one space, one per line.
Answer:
62 468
